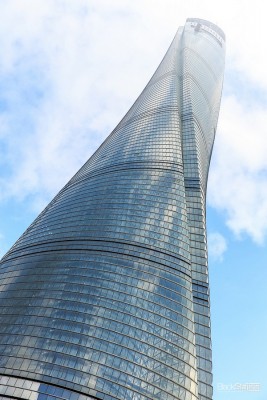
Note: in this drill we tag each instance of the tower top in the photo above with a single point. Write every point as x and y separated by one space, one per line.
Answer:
207 24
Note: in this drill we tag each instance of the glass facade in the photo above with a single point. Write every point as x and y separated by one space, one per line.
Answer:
106 296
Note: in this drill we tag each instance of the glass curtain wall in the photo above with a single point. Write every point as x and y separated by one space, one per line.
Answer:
105 296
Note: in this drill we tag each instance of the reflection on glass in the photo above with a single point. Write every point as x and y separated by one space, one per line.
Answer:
106 295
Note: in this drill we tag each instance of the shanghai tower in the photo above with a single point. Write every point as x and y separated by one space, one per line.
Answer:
106 295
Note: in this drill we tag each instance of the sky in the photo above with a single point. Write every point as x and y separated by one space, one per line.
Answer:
70 70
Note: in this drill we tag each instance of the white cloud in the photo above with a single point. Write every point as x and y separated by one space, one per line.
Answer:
70 70
217 246
238 177
64 87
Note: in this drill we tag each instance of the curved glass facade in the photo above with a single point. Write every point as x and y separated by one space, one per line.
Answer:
105 296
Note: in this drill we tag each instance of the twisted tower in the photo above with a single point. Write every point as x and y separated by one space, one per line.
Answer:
105 296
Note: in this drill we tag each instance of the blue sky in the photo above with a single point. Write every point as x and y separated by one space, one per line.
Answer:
69 70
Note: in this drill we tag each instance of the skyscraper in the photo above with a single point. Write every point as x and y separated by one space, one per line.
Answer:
105 296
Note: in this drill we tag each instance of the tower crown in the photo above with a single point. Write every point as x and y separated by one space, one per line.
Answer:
204 25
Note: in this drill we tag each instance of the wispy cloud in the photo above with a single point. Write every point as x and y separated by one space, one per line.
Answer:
238 178
217 246
56 91
70 70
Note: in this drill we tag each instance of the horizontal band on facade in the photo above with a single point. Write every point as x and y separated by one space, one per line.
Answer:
24 383
113 168
146 114
11 255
